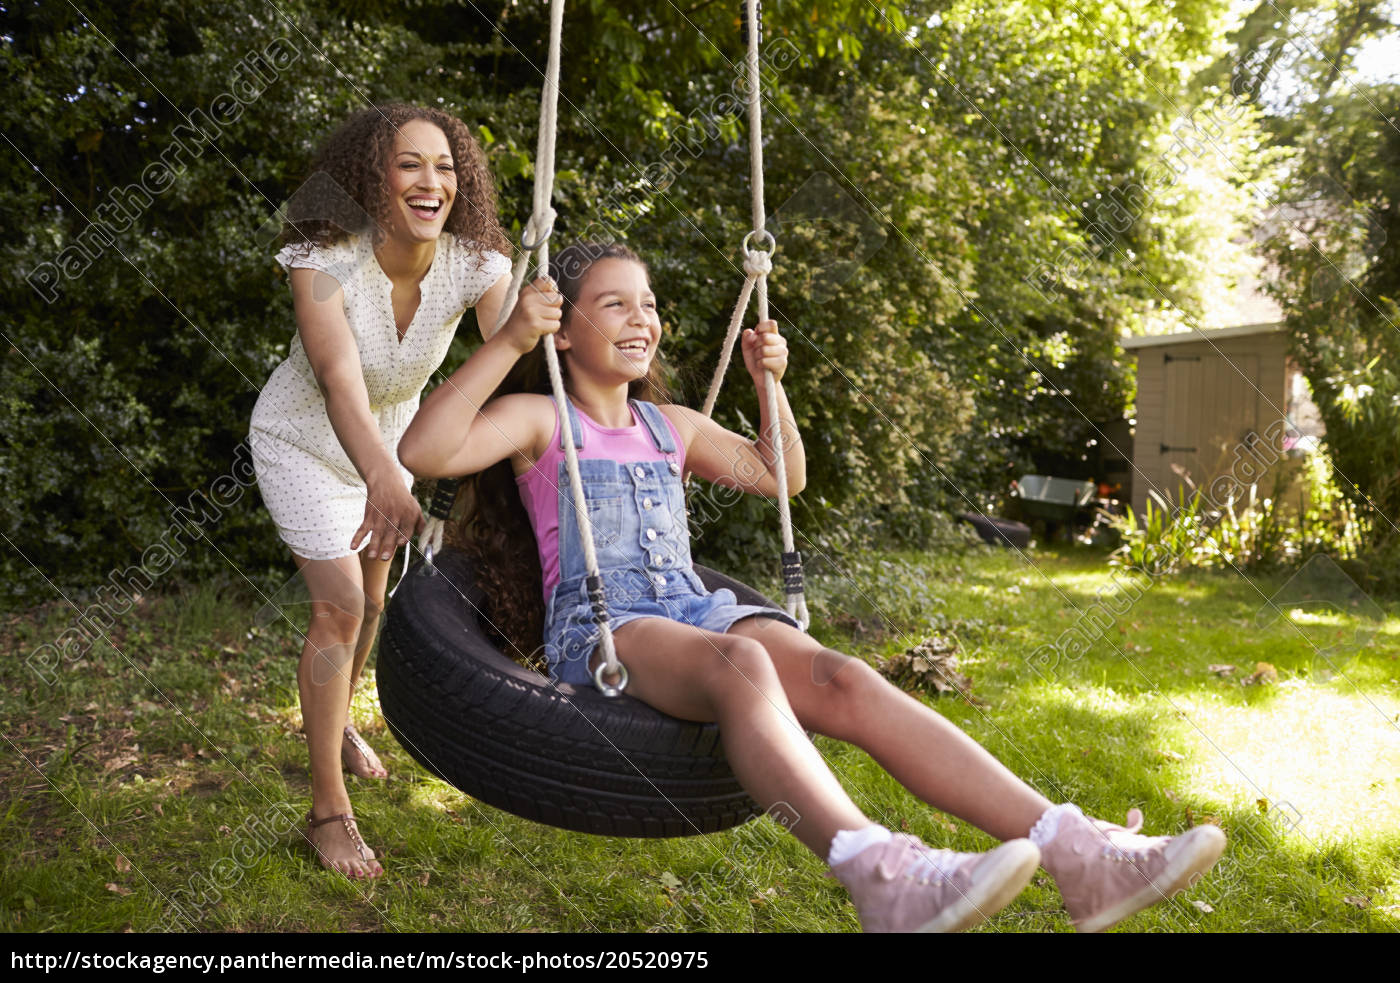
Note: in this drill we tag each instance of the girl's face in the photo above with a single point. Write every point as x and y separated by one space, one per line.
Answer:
612 329
422 182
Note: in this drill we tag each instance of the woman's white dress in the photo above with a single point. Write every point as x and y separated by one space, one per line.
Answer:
308 483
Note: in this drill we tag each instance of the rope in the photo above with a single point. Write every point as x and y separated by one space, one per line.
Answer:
758 263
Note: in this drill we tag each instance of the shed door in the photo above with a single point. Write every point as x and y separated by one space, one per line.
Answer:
1212 404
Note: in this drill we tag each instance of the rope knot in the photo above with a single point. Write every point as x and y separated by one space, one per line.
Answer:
758 263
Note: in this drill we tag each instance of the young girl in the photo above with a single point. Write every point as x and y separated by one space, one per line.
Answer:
388 243
701 656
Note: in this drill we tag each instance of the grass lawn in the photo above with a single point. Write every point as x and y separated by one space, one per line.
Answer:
167 769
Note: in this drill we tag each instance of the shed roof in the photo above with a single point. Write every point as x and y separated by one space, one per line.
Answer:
1182 337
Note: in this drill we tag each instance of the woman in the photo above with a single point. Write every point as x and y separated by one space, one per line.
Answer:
389 242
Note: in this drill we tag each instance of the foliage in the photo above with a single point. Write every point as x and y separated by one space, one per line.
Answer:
1170 536
1335 233
1244 535
921 163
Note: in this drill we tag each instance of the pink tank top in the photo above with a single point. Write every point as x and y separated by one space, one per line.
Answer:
539 487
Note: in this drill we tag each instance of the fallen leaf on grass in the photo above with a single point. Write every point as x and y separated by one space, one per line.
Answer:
932 665
1358 900
118 889
1203 906
1221 670
1263 673
1171 755
764 896
1194 820
423 878
669 880
1171 795
121 863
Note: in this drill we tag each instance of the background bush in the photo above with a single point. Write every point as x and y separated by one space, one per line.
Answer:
970 143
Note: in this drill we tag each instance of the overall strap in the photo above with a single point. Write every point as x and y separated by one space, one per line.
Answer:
574 425
655 422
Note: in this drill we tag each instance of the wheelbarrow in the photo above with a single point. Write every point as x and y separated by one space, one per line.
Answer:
1053 500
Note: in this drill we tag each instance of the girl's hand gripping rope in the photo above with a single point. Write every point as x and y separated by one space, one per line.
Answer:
537 313
765 349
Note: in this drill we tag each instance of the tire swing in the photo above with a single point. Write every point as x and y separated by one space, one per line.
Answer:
585 759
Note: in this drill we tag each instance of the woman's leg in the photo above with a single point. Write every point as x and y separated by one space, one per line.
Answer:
323 679
842 697
359 757
374 575
700 675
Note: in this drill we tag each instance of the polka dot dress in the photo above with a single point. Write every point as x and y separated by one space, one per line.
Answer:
308 483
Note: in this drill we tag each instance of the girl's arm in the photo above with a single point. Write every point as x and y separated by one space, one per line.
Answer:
452 434
728 459
391 512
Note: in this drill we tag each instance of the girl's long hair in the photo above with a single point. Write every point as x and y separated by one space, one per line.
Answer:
493 527
346 191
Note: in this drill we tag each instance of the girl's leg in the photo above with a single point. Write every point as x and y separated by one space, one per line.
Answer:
700 675
896 882
842 697
357 756
323 679
1105 872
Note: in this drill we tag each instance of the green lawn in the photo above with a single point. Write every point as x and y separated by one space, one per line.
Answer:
168 766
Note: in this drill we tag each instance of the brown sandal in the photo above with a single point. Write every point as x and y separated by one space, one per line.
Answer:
352 831
365 751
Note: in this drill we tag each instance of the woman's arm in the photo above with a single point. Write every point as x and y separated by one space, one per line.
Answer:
452 434
728 459
488 308
391 514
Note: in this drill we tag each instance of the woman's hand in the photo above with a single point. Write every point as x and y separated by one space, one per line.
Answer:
392 516
538 312
765 350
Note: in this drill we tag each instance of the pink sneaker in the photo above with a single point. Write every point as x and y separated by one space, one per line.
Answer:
905 886
1107 872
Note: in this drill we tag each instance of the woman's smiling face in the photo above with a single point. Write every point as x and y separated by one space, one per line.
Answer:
422 182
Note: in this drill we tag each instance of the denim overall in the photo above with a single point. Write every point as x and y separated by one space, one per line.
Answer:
637 511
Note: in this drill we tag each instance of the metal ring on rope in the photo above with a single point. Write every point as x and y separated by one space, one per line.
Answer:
610 689
529 246
771 247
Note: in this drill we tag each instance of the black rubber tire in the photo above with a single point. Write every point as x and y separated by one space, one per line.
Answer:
553 753
999 532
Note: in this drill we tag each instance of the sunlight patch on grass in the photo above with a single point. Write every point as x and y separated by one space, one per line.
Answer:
433 793
1301 617
1332 756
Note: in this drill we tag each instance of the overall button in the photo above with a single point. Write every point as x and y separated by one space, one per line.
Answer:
675 468
651 534
639 472
660 580
660 559
647 503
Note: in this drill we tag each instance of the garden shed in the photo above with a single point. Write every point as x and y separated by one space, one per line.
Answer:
1220 406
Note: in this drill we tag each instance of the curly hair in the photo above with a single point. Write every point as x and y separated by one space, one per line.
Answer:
346 189
494 528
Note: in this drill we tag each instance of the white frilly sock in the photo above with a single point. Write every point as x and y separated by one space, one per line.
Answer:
850 842
1048 824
